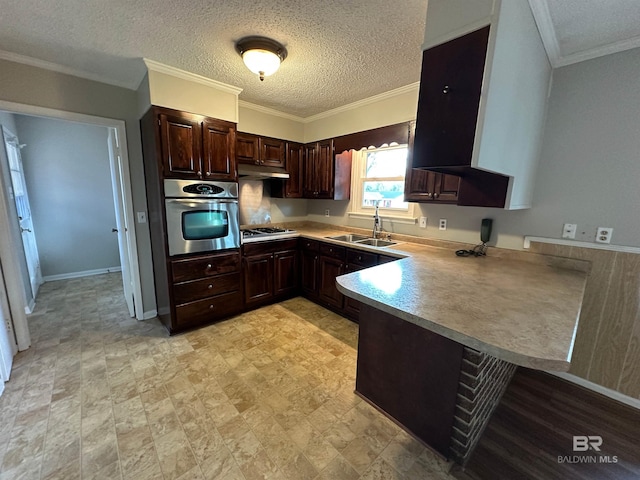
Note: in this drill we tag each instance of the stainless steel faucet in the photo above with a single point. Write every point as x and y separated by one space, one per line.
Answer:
376 223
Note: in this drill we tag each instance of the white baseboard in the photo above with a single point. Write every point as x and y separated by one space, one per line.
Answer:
86 273
28 309
149 315
607 392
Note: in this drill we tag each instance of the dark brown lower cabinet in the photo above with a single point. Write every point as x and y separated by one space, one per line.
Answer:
258 277
409 373
358 260
205 288
331 265
285 272
270 270
309 259
321 263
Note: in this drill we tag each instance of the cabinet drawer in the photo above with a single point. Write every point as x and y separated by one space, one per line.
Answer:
186 292
310 245
333 251
362 259
208 309
269 246
206 266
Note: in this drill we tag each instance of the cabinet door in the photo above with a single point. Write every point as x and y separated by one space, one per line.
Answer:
258 277
309 272
180 139
448 103
446 187
419 185
218 159
293 163
272 152
330 268
247 149
325 169
352 306
310 189
285 272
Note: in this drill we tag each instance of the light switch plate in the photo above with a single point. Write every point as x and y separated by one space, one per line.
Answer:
142 217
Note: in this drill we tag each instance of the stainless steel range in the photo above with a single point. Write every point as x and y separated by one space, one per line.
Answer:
266 233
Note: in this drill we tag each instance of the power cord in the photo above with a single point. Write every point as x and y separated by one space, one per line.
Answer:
479 250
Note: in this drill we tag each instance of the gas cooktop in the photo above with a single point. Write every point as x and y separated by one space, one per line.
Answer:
266 233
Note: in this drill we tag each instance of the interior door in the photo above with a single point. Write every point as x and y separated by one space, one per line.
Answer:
8 347
121 220
21 199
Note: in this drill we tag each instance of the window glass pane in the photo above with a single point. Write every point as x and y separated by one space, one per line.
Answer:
205 224
387 194
386 163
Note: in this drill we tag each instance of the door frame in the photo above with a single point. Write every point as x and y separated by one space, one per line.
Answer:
12 273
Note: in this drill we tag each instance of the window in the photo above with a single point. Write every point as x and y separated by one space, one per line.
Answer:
378 178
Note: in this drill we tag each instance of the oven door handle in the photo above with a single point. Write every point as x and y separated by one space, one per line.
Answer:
200 200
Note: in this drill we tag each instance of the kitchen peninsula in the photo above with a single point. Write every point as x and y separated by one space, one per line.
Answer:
441 336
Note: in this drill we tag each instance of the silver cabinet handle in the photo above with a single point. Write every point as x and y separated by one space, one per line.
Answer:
445 89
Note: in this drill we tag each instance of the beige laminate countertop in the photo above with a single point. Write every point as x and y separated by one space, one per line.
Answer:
524 313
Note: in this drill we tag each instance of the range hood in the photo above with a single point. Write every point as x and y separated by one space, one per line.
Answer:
261 172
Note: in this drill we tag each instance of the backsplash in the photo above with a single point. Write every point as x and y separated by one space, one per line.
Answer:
255 206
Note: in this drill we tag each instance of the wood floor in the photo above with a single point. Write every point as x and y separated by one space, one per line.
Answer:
534 424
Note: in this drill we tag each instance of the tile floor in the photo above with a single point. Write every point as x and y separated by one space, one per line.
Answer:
264 395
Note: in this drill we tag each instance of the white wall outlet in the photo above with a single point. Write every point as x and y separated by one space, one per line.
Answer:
142 217
569 230
603 235
443 224
327 213
423 222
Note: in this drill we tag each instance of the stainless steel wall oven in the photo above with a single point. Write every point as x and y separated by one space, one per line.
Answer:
202 216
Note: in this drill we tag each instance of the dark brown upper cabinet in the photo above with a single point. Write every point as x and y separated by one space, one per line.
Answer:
257 150
482 101
194 146
449 99
218 155
294 163
325 174
426 186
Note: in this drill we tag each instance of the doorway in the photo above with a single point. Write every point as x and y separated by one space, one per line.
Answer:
123 227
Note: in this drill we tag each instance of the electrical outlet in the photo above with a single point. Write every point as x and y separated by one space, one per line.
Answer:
423 222
603 235
443 224
142 217
569 230
327 213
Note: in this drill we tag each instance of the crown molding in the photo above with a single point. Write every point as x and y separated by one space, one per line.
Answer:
542 16
154 66
367 101
596 52
270 111
56 67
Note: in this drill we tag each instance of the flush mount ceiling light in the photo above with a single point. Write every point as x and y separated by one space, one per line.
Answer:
261 55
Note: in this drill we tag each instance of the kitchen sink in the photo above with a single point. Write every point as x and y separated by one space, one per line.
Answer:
376 242
351 237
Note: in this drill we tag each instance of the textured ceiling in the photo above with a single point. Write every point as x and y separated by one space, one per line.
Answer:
340 51
582 25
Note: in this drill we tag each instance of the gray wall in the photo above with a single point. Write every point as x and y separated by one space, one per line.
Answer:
68 178
28 85
588 172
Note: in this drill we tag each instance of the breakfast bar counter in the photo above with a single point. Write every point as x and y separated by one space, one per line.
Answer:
441 336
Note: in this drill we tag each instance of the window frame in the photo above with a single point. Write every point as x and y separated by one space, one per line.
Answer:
358 179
